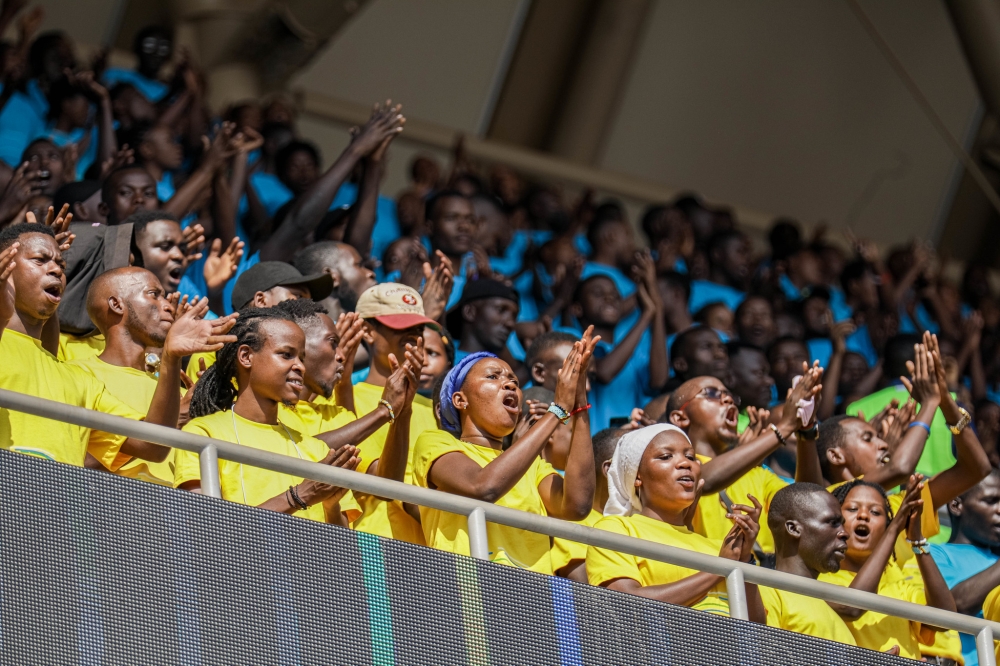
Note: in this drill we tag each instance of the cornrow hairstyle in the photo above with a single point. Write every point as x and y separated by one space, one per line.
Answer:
302 311
842 491
215 391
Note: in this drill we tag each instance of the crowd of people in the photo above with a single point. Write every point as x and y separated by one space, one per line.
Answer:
814 408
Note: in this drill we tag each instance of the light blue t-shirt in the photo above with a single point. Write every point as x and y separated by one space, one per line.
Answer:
629 388
959 562
20 124
704 292
62 139
151 89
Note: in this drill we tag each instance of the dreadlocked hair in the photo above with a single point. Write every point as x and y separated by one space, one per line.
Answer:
216 390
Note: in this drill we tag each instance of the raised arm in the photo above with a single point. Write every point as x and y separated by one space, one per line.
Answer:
350 330
572 496
309 209
659 367
107 144
361 221
219 150
971 462
838 336
609 366
904 457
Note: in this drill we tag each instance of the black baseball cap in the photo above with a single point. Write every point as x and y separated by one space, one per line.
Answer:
477 290
269 274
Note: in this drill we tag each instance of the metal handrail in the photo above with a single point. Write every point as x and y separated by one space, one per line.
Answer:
480 512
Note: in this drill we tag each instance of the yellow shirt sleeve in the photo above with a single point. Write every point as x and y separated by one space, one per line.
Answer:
187 464
104 445
430 446
607 565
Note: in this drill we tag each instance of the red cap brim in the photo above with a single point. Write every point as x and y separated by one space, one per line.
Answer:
400 322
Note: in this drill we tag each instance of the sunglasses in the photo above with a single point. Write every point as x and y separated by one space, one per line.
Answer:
714 394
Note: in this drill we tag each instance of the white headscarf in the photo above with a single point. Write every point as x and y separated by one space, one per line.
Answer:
623 499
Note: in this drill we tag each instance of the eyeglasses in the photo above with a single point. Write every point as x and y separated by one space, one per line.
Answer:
714 394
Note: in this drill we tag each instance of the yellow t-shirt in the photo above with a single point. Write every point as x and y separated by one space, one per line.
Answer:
135 389
564 552
879 632
242 483
929 523
710 519
448 531
193 367
312 418
28 368
72 348
389 519
804 615
606 565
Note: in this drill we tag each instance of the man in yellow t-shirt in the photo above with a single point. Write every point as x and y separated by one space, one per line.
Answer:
326 408
38 282
809 539
129 308
707 411
394 318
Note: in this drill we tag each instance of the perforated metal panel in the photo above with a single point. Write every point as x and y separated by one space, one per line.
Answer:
103 570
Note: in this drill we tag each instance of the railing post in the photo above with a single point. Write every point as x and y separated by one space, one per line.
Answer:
478 547
984 647
209 458
737 592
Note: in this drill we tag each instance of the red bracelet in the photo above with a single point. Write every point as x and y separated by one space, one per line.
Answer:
580 409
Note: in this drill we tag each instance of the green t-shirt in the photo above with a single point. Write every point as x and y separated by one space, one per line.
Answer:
937 455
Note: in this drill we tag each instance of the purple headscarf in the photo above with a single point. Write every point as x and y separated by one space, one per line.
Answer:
453 384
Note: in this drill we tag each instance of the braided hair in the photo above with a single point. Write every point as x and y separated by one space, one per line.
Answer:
216 391
842 491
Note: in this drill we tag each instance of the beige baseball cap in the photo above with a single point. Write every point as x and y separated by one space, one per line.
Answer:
395 305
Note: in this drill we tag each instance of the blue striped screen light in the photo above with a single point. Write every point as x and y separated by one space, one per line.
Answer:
96 569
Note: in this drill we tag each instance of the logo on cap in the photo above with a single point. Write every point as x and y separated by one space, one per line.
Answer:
409 299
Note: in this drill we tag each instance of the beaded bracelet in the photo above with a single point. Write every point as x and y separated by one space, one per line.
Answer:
559 412
392 413
777 433
298 500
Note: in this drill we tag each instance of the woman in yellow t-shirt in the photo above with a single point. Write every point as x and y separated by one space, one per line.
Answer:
653 484
872 531
480 404
266 362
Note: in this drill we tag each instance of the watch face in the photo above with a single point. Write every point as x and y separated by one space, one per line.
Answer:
152 359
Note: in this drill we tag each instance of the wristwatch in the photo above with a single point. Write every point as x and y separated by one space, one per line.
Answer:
962 422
